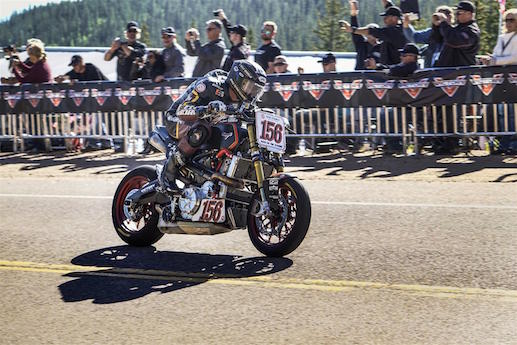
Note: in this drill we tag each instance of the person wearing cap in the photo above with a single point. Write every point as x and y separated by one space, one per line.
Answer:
240 50
408 62
280 65
209 54
328 63
460 42
126 51
391 35
430 36
365 46
173 55
266 53
81 71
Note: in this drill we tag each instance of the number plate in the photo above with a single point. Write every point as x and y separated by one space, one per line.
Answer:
210 211
270 131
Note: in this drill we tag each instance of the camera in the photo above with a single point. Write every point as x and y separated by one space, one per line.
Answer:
342 23
9 49
217 12
13 57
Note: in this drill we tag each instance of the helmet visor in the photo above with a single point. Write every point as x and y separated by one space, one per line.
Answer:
251 89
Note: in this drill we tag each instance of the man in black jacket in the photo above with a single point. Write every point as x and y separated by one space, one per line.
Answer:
210 54
365 46
391 35
460 42
237 36
81 71
408 62
127 50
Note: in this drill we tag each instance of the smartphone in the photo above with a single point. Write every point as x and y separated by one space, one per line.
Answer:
342 23
413 16
216 13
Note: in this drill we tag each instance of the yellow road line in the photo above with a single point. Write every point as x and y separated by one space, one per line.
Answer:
263 281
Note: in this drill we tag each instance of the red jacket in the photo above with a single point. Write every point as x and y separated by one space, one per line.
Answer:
35 74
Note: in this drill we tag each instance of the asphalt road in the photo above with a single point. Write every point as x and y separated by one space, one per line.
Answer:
384 262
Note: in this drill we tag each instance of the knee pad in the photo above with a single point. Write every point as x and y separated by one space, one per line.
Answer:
198 135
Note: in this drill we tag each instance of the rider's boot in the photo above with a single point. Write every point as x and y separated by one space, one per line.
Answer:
169 172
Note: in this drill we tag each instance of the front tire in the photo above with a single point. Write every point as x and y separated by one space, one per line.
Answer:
283 233
141 232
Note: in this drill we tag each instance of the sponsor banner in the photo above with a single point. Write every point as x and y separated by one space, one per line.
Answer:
465 85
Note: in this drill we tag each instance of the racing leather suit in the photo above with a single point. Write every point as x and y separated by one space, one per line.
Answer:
186 124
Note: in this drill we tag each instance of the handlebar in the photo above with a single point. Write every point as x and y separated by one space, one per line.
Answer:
247 115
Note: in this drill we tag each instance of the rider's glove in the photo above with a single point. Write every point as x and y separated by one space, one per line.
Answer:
217 111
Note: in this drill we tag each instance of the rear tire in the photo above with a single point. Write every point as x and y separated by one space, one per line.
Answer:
296 225
145 232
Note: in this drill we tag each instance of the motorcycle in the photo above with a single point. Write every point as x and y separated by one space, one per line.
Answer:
235 181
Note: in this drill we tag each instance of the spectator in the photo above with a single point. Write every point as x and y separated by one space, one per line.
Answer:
301 70
391 35
365 46
81 71
240 50
430 36
210 54
38 72
505 51
408 64
126 51
280 65
329 63
173 55
266 53
11 54
153 68
460 42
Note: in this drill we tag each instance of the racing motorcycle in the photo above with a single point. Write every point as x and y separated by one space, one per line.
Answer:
235 181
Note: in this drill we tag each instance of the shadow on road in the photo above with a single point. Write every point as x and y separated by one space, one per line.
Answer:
380 166
363 166
133 272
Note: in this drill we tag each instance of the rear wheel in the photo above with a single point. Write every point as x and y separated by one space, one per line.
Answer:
138 226
284 231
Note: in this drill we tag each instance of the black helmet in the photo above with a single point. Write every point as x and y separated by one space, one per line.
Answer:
247 79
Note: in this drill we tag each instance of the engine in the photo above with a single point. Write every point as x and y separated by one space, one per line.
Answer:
191 197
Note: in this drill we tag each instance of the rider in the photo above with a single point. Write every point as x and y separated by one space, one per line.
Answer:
203 104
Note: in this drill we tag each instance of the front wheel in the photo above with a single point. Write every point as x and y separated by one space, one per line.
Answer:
284 231
139 226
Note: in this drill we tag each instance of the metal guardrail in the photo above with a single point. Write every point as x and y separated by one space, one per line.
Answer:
411 124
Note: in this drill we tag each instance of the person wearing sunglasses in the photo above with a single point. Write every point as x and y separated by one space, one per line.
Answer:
266 53
126 51
173 55
209 54
461 42
505 51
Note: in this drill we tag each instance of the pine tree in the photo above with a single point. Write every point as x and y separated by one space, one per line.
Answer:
487 17
331 38
250 38
145 37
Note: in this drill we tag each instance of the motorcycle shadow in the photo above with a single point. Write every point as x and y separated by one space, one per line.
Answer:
133 272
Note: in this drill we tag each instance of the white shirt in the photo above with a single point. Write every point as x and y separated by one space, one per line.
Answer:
509 55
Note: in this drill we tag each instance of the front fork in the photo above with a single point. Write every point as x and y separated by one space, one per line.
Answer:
256 158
